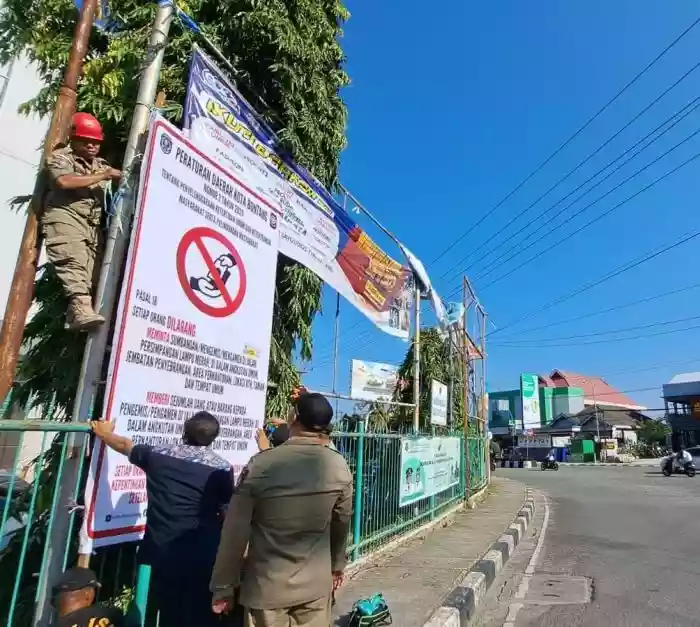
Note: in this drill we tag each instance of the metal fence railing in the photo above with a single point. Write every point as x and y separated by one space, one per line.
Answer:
33 458
374 460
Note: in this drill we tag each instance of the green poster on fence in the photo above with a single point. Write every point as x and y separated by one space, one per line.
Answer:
428 466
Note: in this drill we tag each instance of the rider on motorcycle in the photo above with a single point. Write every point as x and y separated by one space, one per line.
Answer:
551 456
683 457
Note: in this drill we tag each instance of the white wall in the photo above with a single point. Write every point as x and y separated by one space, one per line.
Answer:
20 151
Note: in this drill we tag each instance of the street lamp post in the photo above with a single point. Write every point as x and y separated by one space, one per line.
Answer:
597 426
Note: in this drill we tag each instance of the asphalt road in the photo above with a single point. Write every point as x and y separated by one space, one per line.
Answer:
621 547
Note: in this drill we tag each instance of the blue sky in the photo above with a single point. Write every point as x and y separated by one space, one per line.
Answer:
449 110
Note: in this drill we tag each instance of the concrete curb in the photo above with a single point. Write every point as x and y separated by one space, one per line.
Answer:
460 606
589 465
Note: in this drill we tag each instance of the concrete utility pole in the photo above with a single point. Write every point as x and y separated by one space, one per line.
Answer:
22 288
106 296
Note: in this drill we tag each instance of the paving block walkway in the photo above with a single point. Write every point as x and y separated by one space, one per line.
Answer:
418 575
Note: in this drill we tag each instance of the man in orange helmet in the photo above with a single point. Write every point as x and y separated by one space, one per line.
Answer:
71 222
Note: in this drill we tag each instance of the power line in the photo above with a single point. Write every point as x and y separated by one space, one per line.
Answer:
657 367
622 269
581 164
629 392
683 113
680 115
567 237
365 338
598 333
610 309
599 217
605 341
569 140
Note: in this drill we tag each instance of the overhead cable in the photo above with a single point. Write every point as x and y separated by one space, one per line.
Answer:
604 341
609 309
653 254
679 116
599 217
569 140
579 166
598 333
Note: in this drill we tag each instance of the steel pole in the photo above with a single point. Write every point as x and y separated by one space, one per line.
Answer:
359 490
22 289
416 359
107 289
451 381
465 375
597 427
336 339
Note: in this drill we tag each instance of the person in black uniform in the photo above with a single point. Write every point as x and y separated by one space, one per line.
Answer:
74 600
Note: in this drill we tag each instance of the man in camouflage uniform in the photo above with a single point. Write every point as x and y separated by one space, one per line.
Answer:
77 180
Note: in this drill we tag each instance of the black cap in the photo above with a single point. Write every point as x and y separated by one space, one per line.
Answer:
76 579
314 412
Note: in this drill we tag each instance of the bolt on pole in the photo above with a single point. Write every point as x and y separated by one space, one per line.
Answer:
22 288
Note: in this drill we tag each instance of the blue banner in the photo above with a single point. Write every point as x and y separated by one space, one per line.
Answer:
316 231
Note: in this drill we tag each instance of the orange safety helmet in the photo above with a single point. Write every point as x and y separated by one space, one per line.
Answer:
86 126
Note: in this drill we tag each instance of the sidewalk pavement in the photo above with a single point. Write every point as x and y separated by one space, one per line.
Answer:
417 576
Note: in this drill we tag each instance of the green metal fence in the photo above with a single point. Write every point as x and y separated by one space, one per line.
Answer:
374 459
29 497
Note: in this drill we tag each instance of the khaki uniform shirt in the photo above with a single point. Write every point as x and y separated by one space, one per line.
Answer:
292 508
69 206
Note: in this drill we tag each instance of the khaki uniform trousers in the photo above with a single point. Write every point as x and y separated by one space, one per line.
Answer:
72 246
313 614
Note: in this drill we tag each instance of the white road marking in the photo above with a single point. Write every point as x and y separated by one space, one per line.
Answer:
520 593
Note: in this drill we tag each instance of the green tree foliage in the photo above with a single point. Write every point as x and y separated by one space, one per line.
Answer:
653 432
290 66
437 362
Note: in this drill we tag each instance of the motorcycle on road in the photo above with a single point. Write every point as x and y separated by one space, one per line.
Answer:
671 465
549 464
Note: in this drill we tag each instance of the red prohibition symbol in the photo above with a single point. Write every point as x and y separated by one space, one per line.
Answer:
214 285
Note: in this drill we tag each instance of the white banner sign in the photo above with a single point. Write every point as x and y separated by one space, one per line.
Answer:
193 326
438 403
534 441
428 466
530 396
316 230
372 381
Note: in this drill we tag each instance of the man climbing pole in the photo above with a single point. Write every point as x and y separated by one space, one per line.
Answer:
78 181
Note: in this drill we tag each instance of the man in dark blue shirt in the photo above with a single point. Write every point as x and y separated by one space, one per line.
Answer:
188 489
